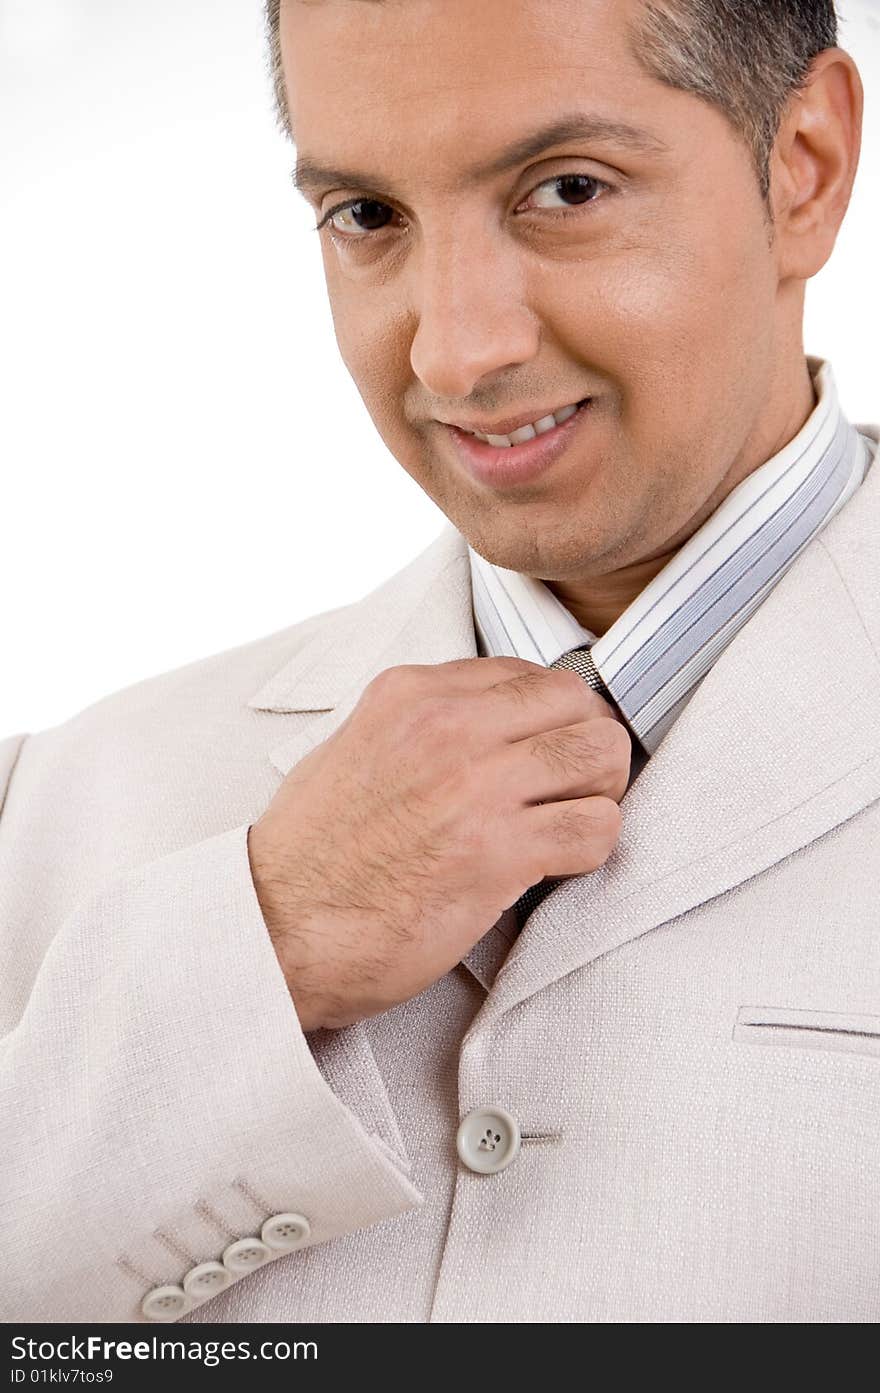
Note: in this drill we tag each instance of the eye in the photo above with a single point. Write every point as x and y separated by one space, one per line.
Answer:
572 189
358 217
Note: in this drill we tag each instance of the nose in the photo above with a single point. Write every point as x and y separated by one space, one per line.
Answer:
473 320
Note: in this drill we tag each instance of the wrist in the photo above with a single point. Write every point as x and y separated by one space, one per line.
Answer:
266 887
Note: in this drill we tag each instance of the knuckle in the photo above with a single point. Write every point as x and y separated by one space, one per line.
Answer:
573 685
521 685
570 682
598 819
387 683
607 818
393 686
610 738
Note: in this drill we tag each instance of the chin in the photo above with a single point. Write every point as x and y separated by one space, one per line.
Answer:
534 556
522 530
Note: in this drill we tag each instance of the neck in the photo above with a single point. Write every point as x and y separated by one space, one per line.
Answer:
599 601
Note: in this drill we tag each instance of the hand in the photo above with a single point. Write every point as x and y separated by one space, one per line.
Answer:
396 844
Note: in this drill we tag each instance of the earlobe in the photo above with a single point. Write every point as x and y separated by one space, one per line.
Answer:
815 162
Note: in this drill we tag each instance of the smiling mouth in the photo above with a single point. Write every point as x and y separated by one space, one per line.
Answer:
530 430
512 464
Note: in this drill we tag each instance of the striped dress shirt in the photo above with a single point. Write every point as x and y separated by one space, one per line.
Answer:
654 656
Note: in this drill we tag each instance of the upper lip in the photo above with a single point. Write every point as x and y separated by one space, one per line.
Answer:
508 424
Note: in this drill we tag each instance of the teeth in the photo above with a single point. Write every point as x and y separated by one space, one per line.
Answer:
546 423
519 437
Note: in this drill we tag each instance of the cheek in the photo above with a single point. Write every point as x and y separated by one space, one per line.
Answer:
666 320
371 336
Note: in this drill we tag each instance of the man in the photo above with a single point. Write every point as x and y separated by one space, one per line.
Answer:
290 1035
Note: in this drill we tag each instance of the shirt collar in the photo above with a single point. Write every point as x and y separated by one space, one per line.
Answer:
655 654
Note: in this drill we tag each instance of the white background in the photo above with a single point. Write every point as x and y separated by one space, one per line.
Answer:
186 464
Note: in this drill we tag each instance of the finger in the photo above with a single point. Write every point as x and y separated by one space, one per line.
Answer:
571 838
575 761
530 703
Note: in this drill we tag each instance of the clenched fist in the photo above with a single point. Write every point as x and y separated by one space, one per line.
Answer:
395 845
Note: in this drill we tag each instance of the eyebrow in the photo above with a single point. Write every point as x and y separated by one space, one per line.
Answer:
309 176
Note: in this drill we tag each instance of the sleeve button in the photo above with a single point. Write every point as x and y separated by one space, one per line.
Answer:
283 1232
245 1254
206 1280
166 1303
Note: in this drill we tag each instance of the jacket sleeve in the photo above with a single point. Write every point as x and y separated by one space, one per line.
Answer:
164 1124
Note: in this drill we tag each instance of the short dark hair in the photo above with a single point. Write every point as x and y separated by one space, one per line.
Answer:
746 57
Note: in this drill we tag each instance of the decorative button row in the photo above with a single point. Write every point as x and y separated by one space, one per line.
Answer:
280 1234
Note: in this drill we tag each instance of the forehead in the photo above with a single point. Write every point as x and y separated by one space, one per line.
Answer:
453 80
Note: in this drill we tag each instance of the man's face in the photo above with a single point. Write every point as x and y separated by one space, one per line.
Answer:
640 278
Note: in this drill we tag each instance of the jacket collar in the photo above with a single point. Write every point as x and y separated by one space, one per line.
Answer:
779 744
421 615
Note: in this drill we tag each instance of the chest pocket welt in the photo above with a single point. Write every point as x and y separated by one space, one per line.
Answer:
808 1030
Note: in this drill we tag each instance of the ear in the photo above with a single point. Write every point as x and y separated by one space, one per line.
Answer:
814 164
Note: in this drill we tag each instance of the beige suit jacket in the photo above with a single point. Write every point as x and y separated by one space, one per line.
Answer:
689 1037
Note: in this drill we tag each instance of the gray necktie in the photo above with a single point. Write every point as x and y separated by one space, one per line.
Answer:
580 661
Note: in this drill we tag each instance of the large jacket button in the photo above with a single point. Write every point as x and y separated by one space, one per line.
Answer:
488 1139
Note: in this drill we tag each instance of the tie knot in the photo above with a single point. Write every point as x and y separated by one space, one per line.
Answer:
579 660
